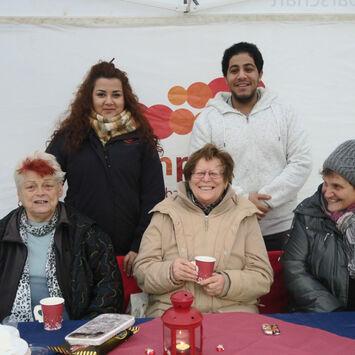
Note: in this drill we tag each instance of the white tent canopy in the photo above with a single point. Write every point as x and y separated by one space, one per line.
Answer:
48 46
170 8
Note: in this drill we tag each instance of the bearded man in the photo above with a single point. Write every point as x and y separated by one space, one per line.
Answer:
265 138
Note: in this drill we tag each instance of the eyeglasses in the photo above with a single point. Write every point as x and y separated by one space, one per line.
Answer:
213 174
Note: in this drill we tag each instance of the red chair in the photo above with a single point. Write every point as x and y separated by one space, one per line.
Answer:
129 283
276 300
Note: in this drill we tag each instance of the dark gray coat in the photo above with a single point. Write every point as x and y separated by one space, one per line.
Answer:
315 264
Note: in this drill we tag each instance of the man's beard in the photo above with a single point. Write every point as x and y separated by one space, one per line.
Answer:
244 99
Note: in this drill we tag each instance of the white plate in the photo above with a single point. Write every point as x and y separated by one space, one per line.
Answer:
18 345
12 330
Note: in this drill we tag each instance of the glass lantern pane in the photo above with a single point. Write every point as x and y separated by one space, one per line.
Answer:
182 336
167 339
198 340
183 341
198 335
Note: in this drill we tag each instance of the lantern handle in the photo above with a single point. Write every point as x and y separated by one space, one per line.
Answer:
185 287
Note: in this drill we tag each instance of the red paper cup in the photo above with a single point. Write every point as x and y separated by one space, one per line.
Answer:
52 312
205 265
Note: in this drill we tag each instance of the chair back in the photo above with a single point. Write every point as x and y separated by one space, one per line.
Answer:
129 283
277 299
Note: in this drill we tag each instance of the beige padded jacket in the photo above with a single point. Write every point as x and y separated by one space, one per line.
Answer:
230 233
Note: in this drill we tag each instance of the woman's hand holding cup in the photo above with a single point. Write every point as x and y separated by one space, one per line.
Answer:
184 270
213 286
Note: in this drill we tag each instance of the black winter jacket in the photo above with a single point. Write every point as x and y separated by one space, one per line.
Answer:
314 262
87 270
116 185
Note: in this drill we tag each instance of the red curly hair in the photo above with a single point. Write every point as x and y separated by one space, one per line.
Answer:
76 126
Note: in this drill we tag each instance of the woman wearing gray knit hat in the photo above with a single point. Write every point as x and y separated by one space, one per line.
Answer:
319 259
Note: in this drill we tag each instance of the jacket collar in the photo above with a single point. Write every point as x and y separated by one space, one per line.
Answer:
220 102
311 206
63 216
12 230
230 199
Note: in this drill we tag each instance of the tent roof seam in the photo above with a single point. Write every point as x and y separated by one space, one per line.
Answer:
177 19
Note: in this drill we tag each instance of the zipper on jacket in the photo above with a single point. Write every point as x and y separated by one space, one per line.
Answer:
206 231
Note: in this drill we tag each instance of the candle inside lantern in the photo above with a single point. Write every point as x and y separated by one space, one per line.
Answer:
182 348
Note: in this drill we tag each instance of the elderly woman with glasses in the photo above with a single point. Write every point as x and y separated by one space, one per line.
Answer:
319 258
205 217
48 249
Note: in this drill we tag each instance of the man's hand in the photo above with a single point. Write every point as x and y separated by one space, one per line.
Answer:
183 270
128 263
256 199
213 286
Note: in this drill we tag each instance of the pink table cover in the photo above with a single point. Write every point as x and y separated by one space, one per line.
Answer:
241 333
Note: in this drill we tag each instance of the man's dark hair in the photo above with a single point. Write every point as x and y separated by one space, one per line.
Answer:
242 47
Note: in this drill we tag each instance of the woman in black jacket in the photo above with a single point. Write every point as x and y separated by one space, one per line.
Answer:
110 155
319 259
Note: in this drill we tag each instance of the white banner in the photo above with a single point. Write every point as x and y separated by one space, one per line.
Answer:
173 69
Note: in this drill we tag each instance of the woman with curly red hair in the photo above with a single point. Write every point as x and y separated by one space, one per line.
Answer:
109 152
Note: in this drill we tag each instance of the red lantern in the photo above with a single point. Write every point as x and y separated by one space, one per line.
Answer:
182 326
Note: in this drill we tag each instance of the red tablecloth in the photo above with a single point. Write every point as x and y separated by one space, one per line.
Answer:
241 333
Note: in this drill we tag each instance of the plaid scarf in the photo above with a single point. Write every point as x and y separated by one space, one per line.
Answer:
21 309
345 222
106 128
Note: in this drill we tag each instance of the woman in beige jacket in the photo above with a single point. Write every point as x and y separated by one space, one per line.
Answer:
204 217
